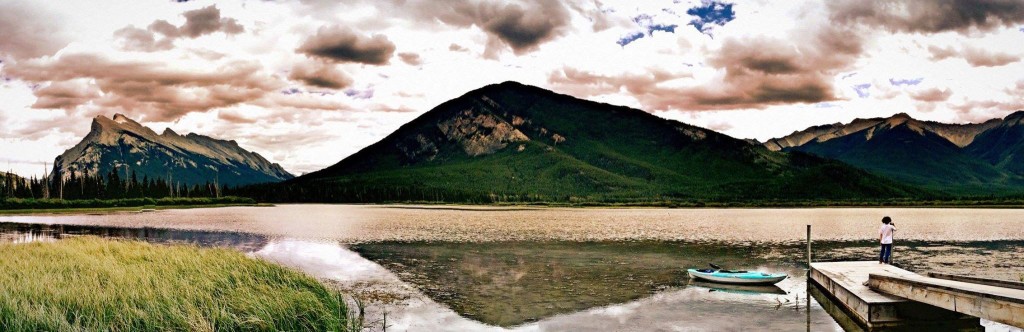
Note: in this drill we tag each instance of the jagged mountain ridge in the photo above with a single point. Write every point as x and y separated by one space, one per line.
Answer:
121 144
958 134
969 158
524 142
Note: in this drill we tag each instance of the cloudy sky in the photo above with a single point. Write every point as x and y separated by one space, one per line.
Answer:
308 82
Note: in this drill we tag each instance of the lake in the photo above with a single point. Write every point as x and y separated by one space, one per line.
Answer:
458 268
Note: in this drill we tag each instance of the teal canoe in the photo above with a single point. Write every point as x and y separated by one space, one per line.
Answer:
737 277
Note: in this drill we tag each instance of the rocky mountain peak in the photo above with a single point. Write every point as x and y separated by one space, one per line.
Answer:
121 118
169 132
191 159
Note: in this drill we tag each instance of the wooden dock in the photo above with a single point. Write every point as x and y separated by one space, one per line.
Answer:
845 284
995 300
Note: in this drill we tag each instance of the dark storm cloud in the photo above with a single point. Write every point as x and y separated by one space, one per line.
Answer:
929 16
759 72
519 25
151 88
27 31
198 22
522 25
341 44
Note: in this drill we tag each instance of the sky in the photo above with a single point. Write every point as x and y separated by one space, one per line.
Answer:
306 83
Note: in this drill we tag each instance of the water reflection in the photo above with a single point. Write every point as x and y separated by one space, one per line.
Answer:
738 289
560 285
20 233
511 283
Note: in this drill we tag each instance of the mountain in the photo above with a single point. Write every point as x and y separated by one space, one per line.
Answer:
127 147
971 159
512 142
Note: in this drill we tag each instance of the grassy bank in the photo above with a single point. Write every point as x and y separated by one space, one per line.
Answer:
11 204
95 284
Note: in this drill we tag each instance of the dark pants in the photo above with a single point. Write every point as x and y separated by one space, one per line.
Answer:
886 255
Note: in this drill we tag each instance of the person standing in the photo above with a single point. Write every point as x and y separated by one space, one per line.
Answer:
885 237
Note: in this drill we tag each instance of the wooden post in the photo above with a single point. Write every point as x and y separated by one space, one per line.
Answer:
808 248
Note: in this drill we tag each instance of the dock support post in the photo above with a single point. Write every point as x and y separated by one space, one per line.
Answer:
808 248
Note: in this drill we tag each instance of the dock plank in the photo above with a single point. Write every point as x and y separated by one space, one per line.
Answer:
1000 304
847 284
853 276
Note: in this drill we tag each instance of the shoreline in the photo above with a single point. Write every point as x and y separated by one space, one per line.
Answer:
502 207
528 206
118 209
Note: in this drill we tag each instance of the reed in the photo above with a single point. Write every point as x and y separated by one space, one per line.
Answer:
90 283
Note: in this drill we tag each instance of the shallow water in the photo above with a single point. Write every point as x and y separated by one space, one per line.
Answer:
459 268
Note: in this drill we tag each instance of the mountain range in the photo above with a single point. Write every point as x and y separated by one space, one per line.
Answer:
957 159
126 147
513 142
520 143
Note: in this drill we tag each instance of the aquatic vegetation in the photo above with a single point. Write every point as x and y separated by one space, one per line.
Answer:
89 283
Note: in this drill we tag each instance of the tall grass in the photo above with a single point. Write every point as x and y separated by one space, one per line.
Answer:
92 284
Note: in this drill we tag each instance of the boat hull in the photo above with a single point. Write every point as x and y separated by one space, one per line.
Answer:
746 278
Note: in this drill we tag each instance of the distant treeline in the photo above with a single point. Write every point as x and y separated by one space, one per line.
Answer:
323 192
332 192
31 203
106 187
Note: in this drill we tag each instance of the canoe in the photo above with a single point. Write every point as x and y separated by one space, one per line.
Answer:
737 277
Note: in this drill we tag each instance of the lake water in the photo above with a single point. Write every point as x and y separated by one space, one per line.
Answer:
552 269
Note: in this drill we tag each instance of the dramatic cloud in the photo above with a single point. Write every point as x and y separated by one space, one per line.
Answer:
929 16
28 32
646 88
320 75
198 22
522 26
411 59
975 56
341 44
932 95
66 94
206 21
457 48
162 92
135 39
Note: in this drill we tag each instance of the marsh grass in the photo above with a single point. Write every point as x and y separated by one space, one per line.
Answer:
90 283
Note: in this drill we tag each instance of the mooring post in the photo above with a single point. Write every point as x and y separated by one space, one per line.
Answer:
808 249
